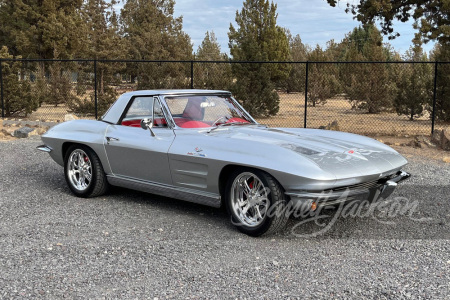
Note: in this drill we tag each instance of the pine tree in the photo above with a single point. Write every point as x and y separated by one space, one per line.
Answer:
18 94
431 17
45 29
211 75
103 42
38 29
258 38
151 32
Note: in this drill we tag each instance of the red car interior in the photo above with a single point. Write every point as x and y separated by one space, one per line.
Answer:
232 120
192 117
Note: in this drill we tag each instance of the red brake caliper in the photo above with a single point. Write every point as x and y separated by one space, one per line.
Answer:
250 185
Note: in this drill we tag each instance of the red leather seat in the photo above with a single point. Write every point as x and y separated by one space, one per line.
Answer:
193 110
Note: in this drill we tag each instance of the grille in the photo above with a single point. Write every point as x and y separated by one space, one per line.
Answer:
359 186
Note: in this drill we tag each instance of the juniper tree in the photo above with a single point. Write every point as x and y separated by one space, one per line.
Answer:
441 53
323 82
298 53
413 84
367 85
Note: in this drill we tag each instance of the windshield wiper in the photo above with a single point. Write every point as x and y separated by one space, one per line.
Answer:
230 124
234 123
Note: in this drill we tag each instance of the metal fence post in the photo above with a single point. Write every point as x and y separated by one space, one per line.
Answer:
1 89
95 89
306 94
192 74
433 116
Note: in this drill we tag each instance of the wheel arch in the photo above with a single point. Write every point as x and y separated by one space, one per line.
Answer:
66 145
98 149
229 169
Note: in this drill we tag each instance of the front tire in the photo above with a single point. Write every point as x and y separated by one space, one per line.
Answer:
84 172
255 202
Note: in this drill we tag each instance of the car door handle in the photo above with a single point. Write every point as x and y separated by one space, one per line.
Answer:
111 139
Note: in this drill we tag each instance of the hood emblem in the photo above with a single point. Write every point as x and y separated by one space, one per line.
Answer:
198 149
351 151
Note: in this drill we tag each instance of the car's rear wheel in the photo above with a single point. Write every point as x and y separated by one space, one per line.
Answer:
84 172
255 201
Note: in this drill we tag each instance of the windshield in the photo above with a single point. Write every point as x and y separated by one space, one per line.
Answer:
205 111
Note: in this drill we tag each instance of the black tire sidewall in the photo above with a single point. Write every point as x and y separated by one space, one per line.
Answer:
92 157
265 225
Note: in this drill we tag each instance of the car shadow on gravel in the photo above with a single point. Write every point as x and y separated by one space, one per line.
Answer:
216 215
412 212
423 216
426 216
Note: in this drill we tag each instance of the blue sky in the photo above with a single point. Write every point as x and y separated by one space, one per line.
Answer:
314 20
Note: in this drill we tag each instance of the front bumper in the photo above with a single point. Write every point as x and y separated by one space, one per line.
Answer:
44 148
371 191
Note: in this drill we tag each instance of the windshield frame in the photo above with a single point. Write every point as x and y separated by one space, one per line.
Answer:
222 95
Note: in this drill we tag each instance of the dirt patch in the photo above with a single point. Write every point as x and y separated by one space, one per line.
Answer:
425 154
407 147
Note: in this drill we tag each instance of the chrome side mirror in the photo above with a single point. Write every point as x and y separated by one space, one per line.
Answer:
147 123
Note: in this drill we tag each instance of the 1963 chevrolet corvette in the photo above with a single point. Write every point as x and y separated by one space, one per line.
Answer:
202 146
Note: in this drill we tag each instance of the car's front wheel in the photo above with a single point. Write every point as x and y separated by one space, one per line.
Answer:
255 201
84 172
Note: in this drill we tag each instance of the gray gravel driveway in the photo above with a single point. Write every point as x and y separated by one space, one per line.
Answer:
138 246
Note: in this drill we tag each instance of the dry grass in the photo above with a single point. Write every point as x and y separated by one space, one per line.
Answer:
292 111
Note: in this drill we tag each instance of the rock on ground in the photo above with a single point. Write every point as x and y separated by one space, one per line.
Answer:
436 137
70 117
445 139
331 126
23 132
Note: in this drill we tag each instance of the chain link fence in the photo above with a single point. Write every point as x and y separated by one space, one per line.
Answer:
371 98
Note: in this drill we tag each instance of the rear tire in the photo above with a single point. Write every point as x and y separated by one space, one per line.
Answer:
255 202
84 172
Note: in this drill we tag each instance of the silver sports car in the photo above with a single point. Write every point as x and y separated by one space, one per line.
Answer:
202 146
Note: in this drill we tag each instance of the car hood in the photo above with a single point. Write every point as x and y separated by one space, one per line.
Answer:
343 154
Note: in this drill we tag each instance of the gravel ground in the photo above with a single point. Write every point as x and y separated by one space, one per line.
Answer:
134 245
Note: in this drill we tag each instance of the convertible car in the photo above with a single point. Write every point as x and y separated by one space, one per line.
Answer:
202 146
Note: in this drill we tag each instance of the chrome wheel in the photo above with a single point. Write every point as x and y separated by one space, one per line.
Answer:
249 199
79 171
